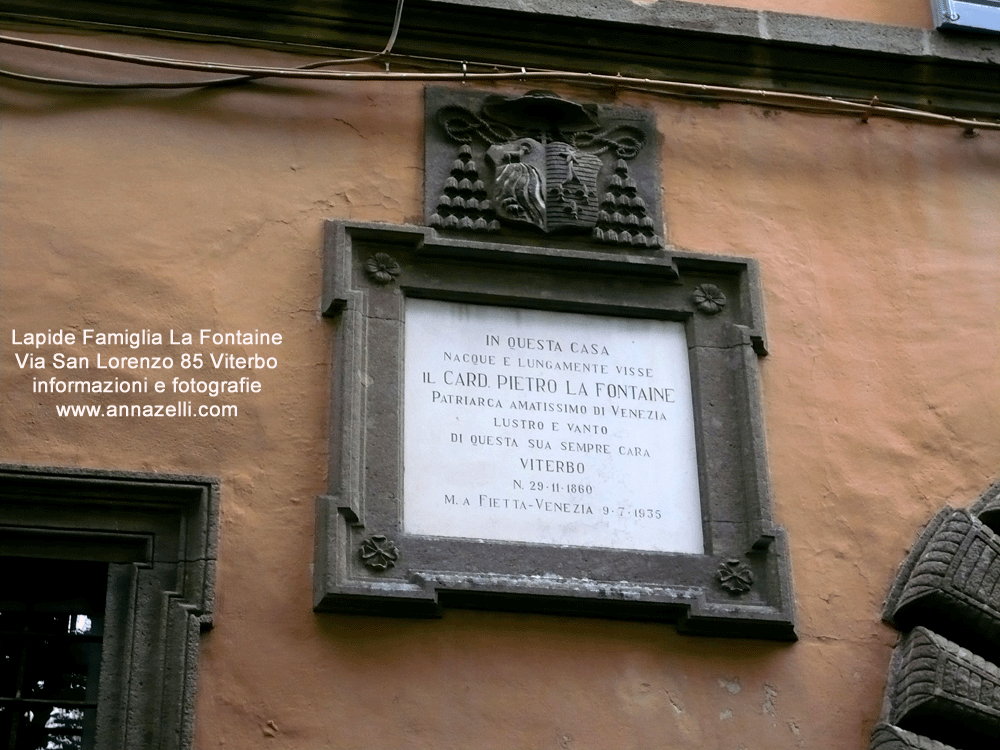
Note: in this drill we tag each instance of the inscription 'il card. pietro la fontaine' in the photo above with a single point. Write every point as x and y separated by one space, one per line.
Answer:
549 428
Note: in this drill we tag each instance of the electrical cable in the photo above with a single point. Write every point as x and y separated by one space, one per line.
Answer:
137 59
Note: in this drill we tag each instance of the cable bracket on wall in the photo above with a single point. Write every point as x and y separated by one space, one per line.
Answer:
871 108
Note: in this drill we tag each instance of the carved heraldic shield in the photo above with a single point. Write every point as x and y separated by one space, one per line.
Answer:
542 164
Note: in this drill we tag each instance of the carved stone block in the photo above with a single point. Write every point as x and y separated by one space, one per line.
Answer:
940 690
888 737
987 508
537 166
949 583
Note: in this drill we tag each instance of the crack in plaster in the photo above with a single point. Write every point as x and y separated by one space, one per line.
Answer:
676 706
352 127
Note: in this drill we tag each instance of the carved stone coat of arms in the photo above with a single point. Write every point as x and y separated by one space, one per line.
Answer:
538 164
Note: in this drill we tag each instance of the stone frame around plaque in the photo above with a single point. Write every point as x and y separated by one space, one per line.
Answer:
367 563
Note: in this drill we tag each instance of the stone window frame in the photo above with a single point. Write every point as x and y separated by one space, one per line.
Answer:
158 534
739 587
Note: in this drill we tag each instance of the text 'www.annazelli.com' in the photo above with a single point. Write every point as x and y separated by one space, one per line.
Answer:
179 409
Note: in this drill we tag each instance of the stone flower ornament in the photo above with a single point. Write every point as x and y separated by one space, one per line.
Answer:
382 267
734 576
708 298
378 552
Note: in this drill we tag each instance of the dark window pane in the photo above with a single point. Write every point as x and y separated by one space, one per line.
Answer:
46 623
58 669
51 621
11 616
10 660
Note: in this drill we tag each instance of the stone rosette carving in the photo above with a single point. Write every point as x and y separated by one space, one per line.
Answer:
708 298
382 268
735 577
538 164
378 552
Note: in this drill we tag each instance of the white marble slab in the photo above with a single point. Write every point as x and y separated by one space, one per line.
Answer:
548 428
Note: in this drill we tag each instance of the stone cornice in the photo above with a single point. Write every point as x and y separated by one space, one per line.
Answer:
667 39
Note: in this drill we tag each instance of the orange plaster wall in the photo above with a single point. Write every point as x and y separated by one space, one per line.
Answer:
915 13
203 210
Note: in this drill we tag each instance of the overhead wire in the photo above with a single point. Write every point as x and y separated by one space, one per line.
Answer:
313 71
137 60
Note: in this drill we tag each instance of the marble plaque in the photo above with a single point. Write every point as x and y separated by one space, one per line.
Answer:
549 428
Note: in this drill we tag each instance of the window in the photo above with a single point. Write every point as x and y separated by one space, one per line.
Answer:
105 582
970 15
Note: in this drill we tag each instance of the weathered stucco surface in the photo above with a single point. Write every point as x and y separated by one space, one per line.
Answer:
203 210
916 13
912 13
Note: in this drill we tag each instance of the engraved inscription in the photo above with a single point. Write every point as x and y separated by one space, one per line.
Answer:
548 428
